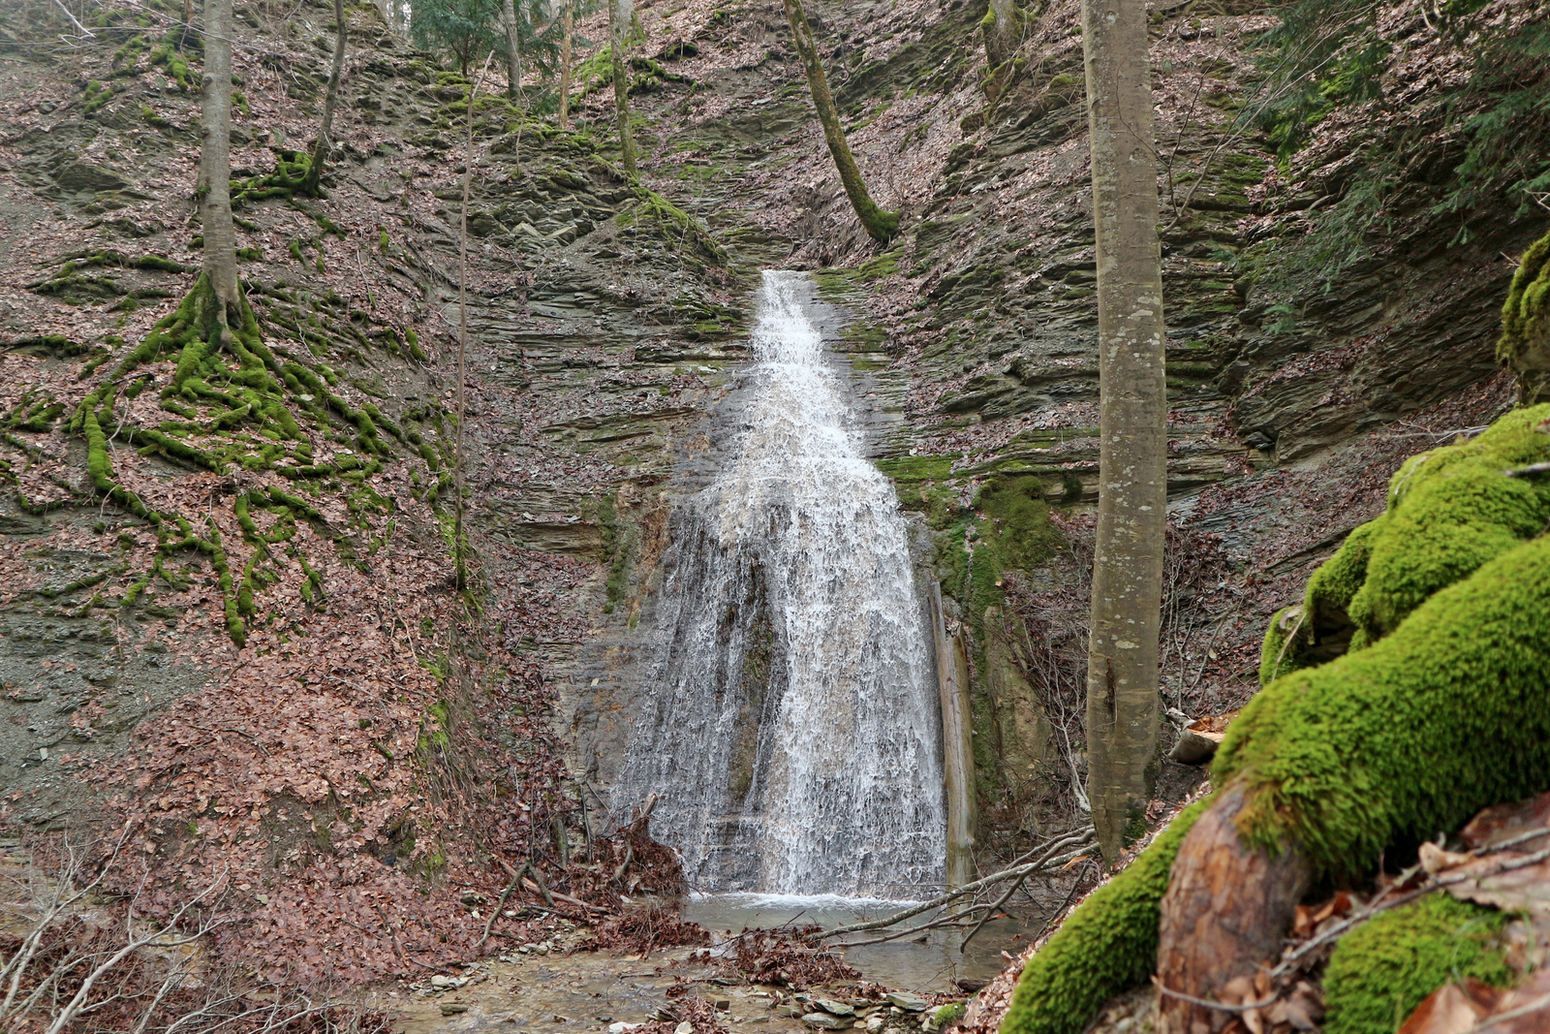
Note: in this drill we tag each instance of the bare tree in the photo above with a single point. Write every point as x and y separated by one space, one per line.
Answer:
880 225
325 142
618 31
567 41
1122 668
513 49
220 237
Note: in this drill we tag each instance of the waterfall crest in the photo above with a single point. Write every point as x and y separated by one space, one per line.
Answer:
788 723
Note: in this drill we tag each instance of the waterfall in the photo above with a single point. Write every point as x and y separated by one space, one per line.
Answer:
788 722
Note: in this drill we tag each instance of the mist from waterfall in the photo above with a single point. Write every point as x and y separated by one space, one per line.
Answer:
789 722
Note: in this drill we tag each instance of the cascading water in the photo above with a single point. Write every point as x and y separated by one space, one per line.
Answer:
789 724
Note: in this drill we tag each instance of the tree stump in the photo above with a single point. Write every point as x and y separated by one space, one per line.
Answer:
1226 911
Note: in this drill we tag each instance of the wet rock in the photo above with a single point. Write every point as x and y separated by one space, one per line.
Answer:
907 1002
829 1005
823 1021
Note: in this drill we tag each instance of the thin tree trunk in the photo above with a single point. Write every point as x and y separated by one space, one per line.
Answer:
881 225
1132 467
1000 29
325 142
459 487
617 28
220 238
565 59
513 49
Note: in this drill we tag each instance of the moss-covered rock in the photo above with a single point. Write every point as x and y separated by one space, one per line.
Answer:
1411 735
1450 510
1525 341
1387 966
1108 944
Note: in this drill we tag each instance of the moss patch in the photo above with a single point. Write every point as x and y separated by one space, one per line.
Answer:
1107 945
1387 966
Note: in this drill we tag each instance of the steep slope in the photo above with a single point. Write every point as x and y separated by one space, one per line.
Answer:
232 638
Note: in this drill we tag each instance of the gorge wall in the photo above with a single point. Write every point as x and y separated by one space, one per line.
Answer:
1310 348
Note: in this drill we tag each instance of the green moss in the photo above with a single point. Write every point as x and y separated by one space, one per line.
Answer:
1451 510
1525 341
1387 966
1107 945
1279 654
97 94
1411 735
166 56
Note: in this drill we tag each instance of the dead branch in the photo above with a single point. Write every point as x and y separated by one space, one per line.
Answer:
1035 860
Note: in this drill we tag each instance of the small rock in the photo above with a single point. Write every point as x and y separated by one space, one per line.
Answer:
444 981
684 1028
452 1008
875 1022
723 1004
907 1002
622 1028
823 1021
834 1008
472 897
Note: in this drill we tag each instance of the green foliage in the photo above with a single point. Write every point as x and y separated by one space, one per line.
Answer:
459 28
1525 341
1387 966
1410 735
1505 112
1107 945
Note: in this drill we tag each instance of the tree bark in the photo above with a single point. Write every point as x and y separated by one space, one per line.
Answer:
617 29
312 185
220 238
566 39
513 49
882 226
1227 908
1122 709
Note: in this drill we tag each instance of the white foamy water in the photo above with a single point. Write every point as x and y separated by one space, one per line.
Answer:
789 723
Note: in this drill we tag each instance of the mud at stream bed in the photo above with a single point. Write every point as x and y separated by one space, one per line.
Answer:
552 987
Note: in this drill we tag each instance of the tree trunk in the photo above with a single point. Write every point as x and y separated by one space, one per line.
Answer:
220 238
312 185
1132 467
1227 908
881 225
617 28
565 58
513 49
1000 28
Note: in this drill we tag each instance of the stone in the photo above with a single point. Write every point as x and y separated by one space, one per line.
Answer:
829 1005
823 1021
684 1028
875 1022
452 1008
622 1028
907 1002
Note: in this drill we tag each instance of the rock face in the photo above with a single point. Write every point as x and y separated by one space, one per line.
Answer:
1310 342
1323 303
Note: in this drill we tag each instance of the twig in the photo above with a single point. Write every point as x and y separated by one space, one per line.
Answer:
1042 859
500 905
1531 469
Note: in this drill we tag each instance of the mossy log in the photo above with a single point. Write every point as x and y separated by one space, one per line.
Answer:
1438 708
1332 765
